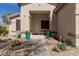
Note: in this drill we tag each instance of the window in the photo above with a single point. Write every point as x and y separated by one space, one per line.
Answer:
17 25
45 24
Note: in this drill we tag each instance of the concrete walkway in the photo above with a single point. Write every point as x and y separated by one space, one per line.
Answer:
38 37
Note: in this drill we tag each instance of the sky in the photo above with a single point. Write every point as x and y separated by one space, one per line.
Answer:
8 8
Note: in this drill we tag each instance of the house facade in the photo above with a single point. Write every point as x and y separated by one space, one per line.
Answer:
39 17
33 17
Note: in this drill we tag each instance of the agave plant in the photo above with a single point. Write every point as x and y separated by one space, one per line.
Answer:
62 46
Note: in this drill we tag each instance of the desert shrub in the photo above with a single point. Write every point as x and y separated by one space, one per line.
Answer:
47 34
51 34
68 42
3 31
61 46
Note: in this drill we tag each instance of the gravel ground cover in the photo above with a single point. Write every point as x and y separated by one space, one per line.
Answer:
9 47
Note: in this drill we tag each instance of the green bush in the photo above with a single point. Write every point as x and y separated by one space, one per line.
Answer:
3 31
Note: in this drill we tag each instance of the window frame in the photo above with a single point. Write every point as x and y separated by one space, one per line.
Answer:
44 25
18 28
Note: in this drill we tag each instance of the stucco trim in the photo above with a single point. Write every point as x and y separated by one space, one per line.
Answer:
58 7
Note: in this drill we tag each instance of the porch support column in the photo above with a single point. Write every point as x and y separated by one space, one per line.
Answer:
25 25
50 20
27 21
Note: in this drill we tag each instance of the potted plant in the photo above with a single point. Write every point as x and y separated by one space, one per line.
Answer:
27 35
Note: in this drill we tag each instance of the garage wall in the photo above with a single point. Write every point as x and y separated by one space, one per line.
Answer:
66 22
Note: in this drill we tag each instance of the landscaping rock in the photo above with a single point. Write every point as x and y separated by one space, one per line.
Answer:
3 45
16 48
20 52
56 49
41 51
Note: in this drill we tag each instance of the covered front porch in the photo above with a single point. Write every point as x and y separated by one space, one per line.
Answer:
40 21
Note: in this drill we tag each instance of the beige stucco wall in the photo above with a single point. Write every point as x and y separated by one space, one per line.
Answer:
12 26
34 7
66 22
